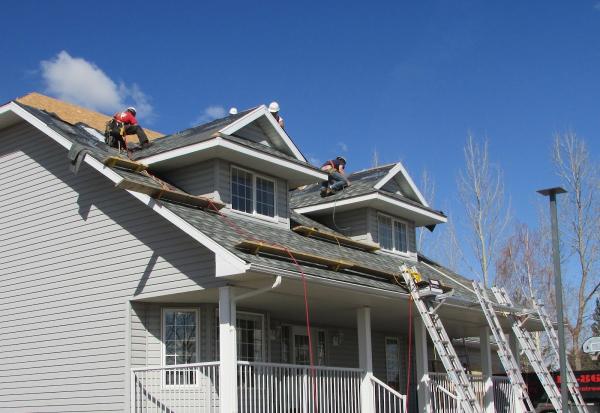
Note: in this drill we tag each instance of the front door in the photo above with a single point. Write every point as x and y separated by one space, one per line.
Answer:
300 347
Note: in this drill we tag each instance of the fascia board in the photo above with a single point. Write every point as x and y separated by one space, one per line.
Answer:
255 114
399 168
372 197
226 263
219 141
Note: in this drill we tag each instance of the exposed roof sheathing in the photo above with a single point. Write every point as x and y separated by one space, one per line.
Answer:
74 114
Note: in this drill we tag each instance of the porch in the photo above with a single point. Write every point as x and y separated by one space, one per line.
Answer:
256 338
279 388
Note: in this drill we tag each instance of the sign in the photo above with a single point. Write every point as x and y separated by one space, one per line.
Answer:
592 345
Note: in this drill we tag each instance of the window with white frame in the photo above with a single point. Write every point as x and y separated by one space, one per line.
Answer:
393 234
250 336
392 362
252 193
180 338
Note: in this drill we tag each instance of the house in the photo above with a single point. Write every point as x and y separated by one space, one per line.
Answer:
184 281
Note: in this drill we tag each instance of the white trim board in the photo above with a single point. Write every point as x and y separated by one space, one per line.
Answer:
255 114
399 168
310 175
426 217
226 263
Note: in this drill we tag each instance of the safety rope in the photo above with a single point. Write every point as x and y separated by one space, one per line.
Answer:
408 368
243 233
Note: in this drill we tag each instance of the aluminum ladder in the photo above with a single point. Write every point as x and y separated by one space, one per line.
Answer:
530 349
508 360
553 339
442 343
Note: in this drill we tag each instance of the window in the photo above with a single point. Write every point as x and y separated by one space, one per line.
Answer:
250 336
180 343
392 234
392 362
251 193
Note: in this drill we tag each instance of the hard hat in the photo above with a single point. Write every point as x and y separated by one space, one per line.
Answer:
233 111
274 107
341 158
132 110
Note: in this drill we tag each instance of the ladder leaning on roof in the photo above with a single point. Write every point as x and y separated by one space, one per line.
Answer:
530 349
508 360
553 339
442 343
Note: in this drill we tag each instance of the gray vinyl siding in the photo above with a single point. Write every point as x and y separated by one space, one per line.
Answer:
255 133
352 223
392 186
74 250
196 179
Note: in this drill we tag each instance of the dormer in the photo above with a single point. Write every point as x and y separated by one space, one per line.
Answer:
245 160
382 205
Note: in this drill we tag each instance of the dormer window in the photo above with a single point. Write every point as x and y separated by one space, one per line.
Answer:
392 233
252 193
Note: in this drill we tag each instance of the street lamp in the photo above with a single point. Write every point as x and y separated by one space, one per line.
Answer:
562 355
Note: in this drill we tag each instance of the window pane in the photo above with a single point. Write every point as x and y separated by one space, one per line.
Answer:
385 232
241 190
400 236
250 340
392 362
265 197
180 337
302 355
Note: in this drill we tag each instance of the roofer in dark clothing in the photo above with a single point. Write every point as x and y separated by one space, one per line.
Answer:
123 124
337 181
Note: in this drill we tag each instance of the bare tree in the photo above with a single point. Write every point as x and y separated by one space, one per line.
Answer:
581 229
481 191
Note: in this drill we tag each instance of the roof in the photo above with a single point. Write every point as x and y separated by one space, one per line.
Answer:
73 114
361 183
219 230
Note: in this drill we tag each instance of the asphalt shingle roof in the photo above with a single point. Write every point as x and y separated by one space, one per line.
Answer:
218 229
361 183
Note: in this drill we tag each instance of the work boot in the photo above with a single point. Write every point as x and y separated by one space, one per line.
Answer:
146 145
324 192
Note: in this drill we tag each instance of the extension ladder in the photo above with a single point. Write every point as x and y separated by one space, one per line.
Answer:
506 356
553 339
442 343
530 349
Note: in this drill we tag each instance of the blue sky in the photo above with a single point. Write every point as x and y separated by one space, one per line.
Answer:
409 79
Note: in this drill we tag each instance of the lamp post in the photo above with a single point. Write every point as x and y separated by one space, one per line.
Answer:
551 192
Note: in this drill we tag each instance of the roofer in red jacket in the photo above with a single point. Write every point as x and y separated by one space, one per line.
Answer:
123 124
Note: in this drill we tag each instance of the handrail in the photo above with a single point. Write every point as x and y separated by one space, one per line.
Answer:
175 366
298 366
385 386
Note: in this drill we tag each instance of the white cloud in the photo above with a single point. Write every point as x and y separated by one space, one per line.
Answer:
209 113
314 160
342 146
78 81
597 6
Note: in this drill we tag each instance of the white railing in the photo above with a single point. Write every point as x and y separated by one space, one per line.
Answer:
443 396
386 399
184 388
275 388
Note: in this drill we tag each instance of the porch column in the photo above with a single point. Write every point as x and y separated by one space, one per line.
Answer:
365 359
486 369
227 351
422 362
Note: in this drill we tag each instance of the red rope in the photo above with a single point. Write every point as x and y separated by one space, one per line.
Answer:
409 349
249 236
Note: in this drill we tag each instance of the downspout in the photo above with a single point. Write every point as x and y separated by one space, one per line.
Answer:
275 285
